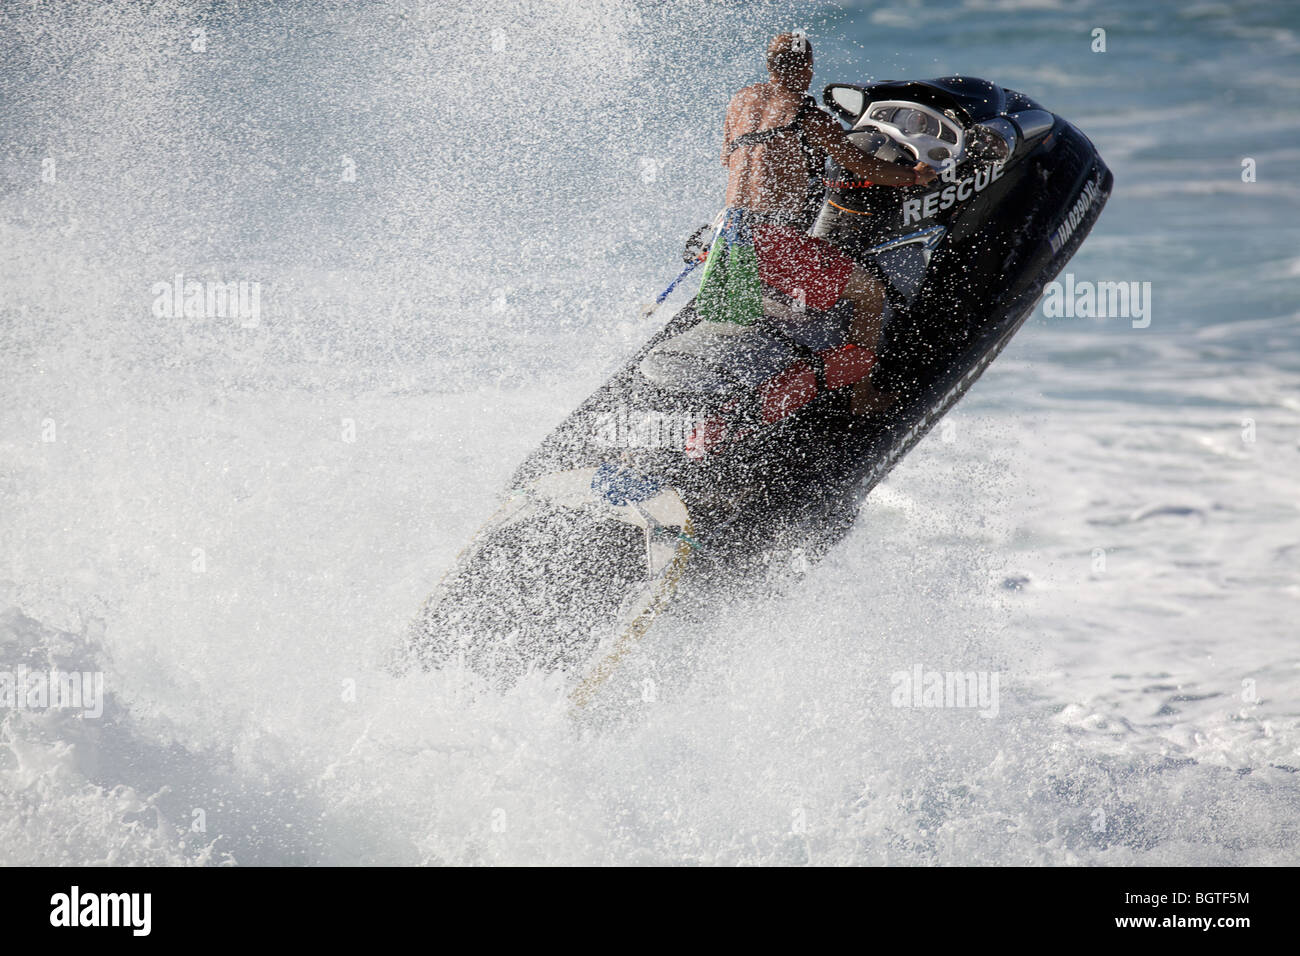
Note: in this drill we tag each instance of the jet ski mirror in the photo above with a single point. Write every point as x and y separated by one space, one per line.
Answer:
994 140
1033 123
848 101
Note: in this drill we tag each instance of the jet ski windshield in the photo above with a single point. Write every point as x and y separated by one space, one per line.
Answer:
928 134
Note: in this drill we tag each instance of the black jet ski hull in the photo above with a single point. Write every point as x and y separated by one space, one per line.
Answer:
715 447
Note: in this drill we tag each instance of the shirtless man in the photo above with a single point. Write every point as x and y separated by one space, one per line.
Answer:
775 145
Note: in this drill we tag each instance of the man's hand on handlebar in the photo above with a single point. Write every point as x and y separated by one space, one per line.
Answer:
925 174
830 136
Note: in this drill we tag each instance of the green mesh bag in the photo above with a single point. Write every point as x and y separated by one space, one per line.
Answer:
731 290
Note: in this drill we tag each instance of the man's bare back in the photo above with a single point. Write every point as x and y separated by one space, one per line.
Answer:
772 176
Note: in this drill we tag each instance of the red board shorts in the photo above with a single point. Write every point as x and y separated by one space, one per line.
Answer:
799 265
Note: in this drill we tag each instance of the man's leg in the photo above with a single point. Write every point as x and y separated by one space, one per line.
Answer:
868 298
790 261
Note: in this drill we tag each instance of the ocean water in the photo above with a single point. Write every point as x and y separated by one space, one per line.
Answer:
453 214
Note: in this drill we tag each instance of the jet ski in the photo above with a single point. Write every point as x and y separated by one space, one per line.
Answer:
718 446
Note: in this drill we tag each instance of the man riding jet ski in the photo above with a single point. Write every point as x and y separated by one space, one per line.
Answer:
727 447
776 142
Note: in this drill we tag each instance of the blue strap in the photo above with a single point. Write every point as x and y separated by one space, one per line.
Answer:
623 486
673 285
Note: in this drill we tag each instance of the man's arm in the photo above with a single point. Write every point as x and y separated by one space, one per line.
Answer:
726 138
728 126
826 133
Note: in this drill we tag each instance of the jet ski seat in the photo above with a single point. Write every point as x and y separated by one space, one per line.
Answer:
716 358
784 362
